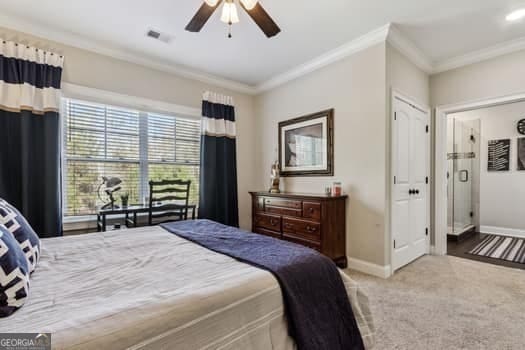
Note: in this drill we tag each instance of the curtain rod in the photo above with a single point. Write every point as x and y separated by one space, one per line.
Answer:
30 46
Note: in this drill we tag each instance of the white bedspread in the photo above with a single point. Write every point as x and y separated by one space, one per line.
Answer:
149 289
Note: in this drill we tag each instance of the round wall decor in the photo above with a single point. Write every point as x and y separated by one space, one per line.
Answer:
521 126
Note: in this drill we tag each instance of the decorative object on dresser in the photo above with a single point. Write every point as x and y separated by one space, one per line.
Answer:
317 221
275 178
306 145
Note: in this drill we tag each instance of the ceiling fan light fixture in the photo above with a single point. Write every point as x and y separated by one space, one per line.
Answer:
249 4
211 3
516 15
229 13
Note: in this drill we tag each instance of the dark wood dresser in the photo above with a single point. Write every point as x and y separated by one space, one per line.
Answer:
316 221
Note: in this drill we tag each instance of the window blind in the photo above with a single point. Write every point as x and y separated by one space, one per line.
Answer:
174 150
102 140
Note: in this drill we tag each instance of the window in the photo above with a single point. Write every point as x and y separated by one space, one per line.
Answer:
174 150
132 145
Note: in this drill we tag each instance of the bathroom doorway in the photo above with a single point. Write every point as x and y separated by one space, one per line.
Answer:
485 184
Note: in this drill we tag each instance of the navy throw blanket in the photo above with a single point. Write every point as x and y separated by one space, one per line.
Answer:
318 311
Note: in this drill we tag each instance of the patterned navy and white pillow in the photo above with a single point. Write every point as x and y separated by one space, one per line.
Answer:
14 274
15 222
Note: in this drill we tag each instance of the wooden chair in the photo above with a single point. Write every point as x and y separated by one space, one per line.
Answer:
168 198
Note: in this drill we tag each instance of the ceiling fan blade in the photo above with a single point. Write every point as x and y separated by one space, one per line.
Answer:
263 20
201 17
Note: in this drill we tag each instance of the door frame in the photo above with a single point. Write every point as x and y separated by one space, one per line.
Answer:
440 160
398 95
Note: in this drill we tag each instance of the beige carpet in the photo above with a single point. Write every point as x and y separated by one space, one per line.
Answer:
448 303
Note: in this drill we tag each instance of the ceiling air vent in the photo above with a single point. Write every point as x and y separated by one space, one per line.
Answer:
158 35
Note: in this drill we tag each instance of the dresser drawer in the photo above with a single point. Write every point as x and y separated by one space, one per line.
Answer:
301 241
283 203
301 228
283 211
267 221
258 204
312 210
266 232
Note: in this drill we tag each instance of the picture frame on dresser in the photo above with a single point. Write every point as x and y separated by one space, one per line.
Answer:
306 145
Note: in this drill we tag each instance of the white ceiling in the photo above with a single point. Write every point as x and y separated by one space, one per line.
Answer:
442 29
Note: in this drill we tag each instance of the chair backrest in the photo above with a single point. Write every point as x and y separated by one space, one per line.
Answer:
170 198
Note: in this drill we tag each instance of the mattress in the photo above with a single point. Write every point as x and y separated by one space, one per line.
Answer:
146 288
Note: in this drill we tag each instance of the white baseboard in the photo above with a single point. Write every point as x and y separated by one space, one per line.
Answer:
369 268
502 231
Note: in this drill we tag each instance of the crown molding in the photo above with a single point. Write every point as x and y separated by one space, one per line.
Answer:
399 41
363 42
505 48
80 42
387 33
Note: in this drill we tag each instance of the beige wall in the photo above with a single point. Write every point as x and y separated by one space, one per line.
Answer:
406 77
92 70
355 88
504 75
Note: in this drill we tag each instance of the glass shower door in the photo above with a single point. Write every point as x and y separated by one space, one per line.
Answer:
461 171
462 177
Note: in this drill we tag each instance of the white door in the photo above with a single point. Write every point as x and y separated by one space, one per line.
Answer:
410 195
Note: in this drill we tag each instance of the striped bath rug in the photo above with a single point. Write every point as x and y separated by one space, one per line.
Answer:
500 247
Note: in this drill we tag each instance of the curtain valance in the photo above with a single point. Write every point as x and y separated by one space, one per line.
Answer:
29 78
218 116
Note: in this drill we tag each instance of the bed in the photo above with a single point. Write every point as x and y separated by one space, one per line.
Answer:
146 288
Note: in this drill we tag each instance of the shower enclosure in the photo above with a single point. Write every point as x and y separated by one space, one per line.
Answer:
463 174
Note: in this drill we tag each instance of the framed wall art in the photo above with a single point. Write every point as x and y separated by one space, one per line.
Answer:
306 145
499 155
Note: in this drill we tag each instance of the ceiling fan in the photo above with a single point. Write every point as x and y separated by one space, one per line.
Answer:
230 15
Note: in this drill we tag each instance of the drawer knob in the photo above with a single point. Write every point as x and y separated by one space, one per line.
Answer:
273 222
288 225
311 229
311 210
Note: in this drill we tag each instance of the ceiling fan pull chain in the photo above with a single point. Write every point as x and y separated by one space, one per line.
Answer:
230 30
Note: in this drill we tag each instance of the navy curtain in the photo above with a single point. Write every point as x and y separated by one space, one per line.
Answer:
218 172
30 140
